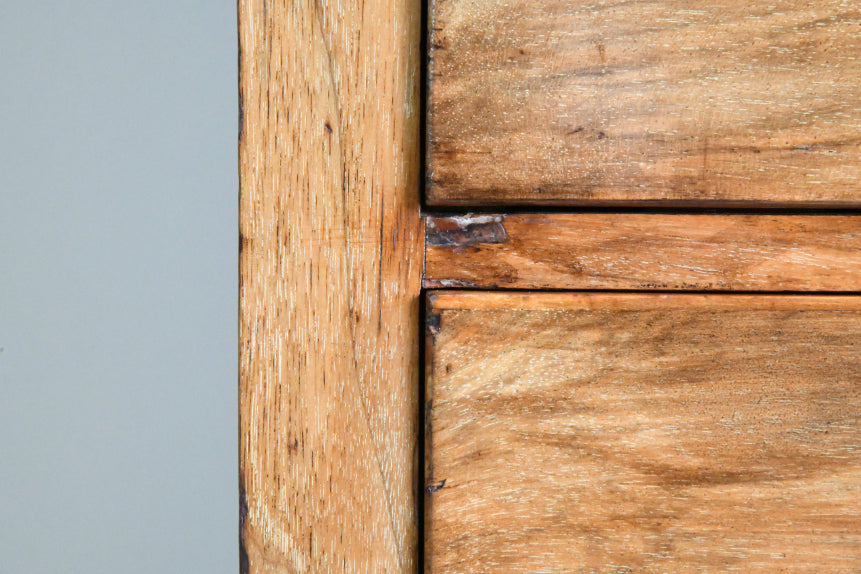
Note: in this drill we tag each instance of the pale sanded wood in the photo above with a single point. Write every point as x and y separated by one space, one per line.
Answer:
643 433
645 251
330 271
680 101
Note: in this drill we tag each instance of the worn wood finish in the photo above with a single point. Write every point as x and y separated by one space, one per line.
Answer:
330 271
643 433
645 251
679 101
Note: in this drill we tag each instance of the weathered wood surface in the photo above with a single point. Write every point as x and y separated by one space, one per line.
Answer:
680 101
643 433
330 271
644 251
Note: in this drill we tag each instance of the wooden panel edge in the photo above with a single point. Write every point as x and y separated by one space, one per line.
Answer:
330 278
446 300
511 204
428 190
432 320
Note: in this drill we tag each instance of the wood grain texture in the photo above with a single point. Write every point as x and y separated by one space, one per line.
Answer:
330 271
677 101
643 433
644 251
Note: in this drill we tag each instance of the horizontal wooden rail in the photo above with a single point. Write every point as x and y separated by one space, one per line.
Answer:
728 252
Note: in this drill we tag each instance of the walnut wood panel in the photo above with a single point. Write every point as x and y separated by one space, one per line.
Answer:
330 271
678 101
645 251
643 433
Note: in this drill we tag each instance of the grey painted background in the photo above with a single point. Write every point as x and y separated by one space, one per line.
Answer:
118 194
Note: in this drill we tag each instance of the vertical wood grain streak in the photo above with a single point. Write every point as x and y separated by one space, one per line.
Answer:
330 272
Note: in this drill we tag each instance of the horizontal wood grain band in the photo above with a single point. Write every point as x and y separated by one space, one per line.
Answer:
537 300
729 252
616 432
573 102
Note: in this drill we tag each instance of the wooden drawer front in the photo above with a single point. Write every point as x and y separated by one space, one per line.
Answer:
677 101
643 433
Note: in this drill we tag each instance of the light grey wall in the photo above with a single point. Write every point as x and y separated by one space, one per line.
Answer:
118 194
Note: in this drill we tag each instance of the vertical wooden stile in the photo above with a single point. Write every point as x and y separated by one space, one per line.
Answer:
330 273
